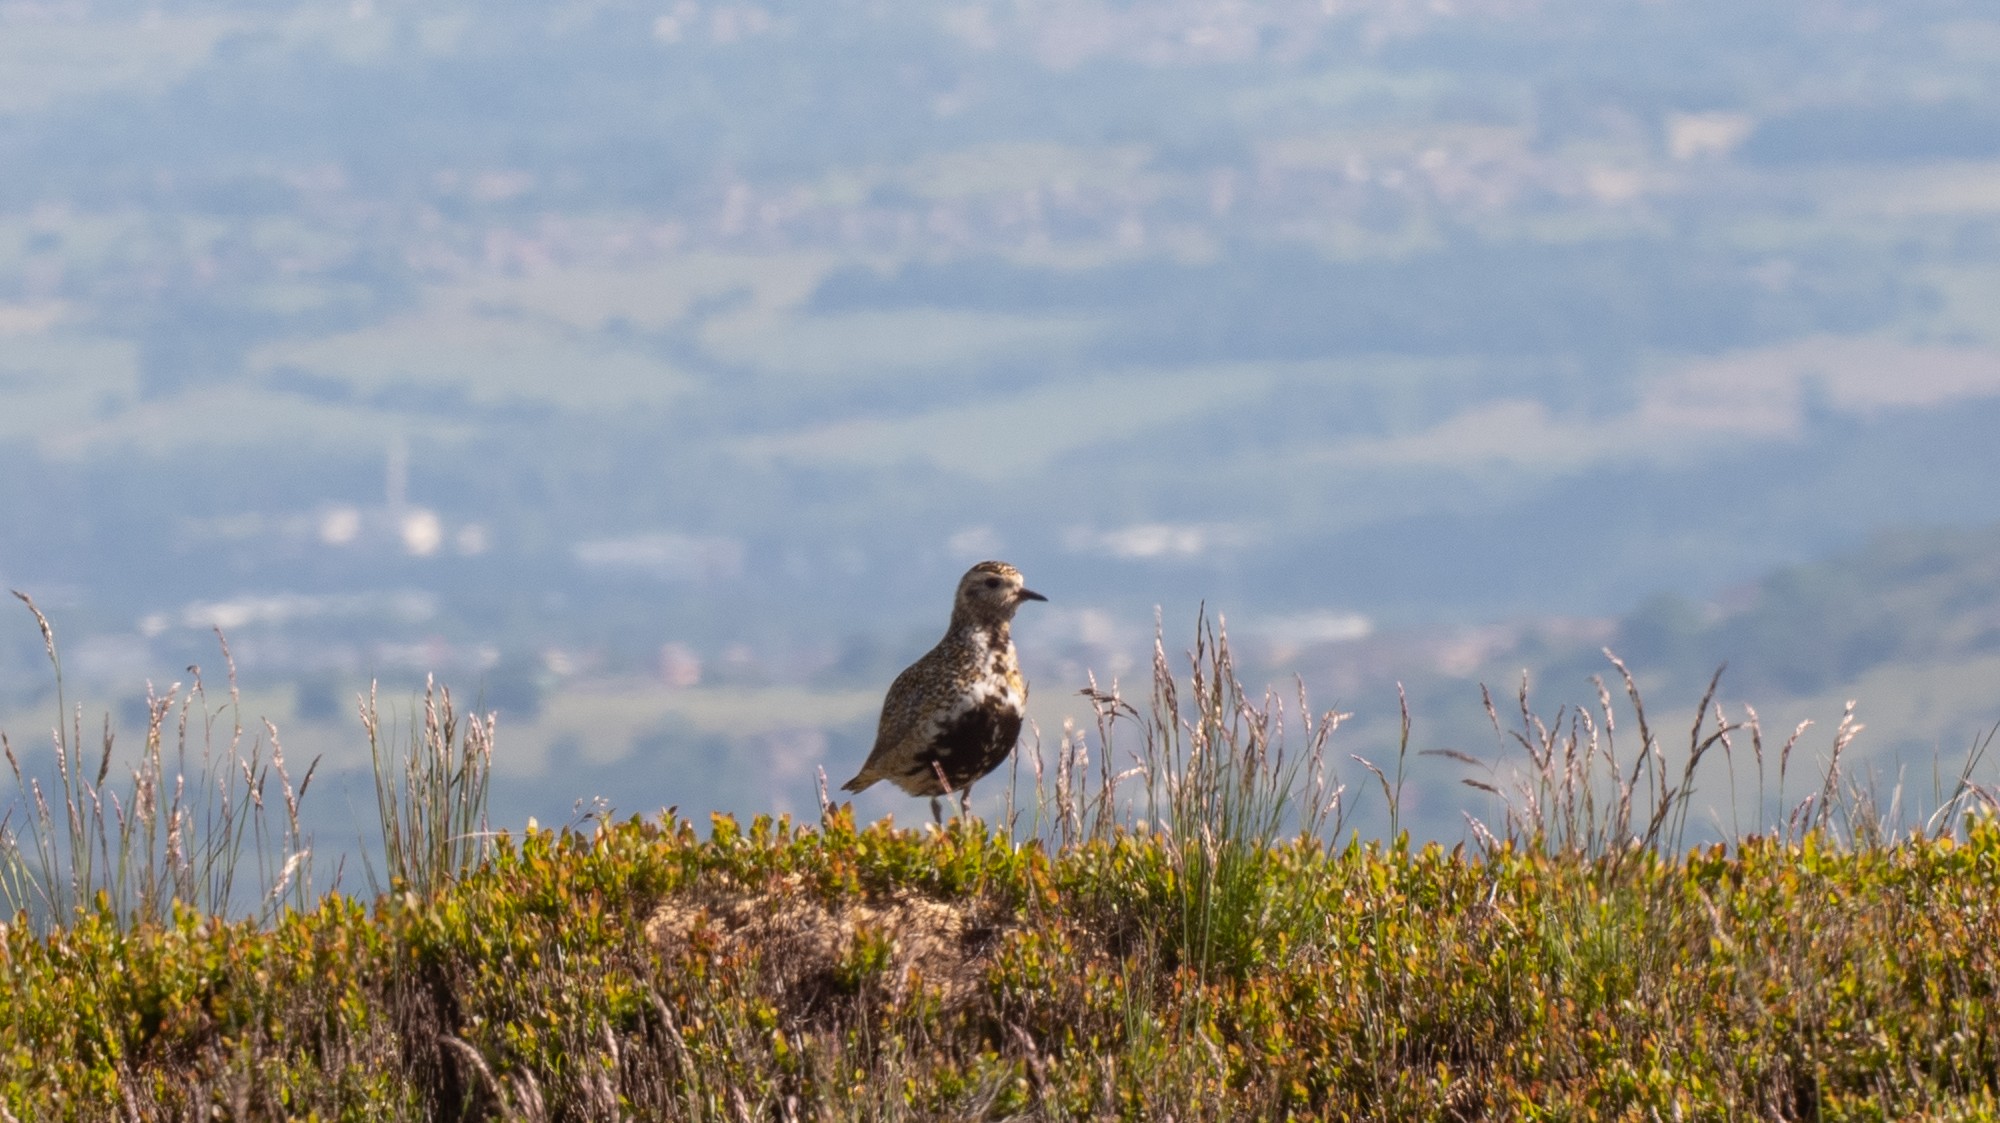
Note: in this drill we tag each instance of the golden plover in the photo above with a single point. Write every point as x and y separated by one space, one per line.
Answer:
954 715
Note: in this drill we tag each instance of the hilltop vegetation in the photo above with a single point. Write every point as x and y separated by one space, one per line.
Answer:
835 973
1191 937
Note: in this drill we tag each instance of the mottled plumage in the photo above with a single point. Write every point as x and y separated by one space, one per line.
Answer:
954 715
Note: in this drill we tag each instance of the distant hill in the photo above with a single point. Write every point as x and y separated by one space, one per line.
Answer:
1920 595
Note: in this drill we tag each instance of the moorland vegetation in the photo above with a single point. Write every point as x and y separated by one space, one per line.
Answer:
1178 925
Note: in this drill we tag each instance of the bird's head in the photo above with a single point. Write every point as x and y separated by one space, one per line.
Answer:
989 592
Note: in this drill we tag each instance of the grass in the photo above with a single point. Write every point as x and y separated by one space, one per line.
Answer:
431 801
204 798
1176 928
1214 784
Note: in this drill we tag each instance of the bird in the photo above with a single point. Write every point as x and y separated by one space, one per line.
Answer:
954 715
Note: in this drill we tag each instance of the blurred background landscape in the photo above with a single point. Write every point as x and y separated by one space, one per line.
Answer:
650 371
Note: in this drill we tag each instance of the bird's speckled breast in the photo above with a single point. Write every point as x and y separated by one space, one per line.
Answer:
993 673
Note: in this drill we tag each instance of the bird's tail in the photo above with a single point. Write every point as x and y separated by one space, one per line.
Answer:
860 781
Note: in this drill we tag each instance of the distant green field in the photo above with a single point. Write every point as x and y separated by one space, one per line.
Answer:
859 349
590 294
495 359
59 384
49 62
1012 433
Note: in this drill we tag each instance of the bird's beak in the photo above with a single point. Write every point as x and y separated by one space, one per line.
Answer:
1028 594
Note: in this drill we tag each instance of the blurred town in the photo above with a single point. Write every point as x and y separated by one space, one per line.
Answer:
649 371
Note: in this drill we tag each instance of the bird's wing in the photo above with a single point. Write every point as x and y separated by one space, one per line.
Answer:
896 729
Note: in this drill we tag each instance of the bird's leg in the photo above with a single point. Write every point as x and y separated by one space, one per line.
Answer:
965 802
937 810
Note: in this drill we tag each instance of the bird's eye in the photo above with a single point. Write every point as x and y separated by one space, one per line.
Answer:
992 582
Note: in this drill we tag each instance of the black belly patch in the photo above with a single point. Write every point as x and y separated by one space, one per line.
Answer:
973 744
